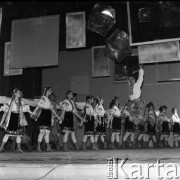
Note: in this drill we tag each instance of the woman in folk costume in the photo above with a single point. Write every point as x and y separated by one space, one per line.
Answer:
100 129
164 126
68 110
150 125
136 106
13 119
176 126
43 115
89 125
115 122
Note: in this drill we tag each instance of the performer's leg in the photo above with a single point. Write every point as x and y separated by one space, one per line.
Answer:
96 140
18 141
40 137
4 141
127 134
73 137
92 142
118 140
46 138
112 140
166 140
65 139
140 137
103 141
84 142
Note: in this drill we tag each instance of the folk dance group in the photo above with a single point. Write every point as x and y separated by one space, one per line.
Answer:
136 123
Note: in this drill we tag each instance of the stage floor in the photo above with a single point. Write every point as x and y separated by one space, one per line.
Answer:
93 157
70 165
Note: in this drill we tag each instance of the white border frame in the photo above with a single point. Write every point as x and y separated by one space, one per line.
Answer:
68 46
142 43
8 57
109 69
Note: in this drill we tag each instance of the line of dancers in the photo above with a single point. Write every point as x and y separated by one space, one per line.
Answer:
131 126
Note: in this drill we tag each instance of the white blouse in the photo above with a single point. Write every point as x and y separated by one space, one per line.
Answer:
115 111
67 105
89 110
135 91
45 103
99 110
175 118
14 107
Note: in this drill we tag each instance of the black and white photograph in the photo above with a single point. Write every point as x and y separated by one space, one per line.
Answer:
89 90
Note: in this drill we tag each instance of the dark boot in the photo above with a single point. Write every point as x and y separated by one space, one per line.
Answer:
65 147
48 148
19 150
135 144
2 147
39 147
178 143
124 144
84 146
112 146
105 145
118 145
77 147
94 147
96 144
13 145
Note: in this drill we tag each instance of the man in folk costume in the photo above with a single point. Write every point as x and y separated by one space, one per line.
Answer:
136 106
13 119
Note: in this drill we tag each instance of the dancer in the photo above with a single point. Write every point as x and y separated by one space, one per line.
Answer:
129 131
176 126
13 120
115 122
55 128
68 110
151 125
101 125
136 106
43 115
90 123
164 126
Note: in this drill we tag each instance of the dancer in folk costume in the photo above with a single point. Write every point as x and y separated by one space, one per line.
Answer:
55 128
68 111
176 126
43 115
136 106
101 124
89 125
128 132
115 122
142 135
13 120
163 126
151 124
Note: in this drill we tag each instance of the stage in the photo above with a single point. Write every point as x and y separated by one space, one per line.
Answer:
79 165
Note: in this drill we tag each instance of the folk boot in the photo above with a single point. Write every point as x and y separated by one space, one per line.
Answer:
39 147
65 146
19 150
